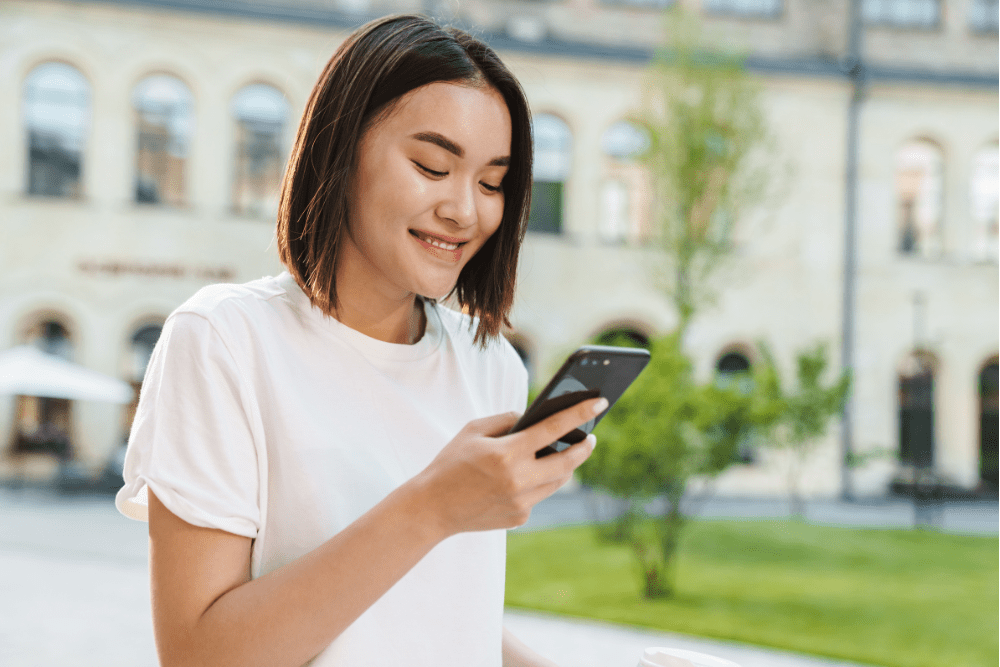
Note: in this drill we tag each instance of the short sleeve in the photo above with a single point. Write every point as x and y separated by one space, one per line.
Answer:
192 441
517 379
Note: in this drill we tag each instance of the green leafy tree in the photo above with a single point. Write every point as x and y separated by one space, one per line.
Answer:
708 163
806 411
665 429
710 159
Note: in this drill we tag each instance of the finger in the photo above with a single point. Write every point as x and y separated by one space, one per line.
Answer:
494 425
552 428
559 467
565 462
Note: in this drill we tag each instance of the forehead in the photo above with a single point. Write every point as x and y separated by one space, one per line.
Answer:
474 117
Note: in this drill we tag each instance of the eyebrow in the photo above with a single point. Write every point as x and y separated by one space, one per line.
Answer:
453 148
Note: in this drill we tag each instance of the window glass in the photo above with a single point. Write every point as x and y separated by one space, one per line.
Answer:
614 221
552 159
42 424
622 337
625 141
902 13
744 7
164 122
261 115
919 172
141 350
989 434
56 107
733 371
983 15
984 200
916 411
621 208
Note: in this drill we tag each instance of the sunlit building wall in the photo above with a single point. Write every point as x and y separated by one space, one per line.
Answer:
147 140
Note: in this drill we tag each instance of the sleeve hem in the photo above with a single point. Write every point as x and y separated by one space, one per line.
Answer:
133 501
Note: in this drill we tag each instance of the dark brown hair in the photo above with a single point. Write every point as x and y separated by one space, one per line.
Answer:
372 69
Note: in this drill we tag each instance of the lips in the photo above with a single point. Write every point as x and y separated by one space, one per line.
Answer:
445 247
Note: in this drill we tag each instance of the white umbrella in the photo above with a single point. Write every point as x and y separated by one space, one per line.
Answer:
28 371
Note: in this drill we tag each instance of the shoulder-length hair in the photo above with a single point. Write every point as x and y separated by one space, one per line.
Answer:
372 69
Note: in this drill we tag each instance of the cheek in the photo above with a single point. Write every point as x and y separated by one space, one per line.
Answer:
492 214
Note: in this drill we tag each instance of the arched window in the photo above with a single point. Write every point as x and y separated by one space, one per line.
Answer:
733 371
523 349
553 157
164 122
916 411
140 350
622 336
919 185
261 114
143 342
43 425
989 391
621 212
56 108
984 200
983 16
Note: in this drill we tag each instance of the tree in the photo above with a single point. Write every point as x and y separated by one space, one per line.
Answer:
665 429
708 139
708 159
805 411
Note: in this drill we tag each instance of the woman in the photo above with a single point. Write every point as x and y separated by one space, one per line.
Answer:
322 456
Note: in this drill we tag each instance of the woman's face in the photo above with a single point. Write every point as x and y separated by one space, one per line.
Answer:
425 195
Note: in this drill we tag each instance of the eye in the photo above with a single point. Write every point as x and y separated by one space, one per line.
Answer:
430 172
492 188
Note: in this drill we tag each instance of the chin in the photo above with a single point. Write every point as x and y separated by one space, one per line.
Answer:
436 289
435 294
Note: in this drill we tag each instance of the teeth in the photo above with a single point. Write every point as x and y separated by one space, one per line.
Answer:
438 244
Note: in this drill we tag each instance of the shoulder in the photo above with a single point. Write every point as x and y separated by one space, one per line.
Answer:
498 353
214 300
225 306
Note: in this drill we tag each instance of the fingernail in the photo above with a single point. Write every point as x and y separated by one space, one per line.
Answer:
592 439
600 406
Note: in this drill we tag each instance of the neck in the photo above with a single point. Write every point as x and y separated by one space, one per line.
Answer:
377 311
402 323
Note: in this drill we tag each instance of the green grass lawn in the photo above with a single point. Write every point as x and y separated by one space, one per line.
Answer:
897 598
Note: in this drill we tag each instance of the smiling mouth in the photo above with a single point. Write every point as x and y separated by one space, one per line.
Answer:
437 242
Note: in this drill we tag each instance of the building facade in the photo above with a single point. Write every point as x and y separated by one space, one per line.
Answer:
145 142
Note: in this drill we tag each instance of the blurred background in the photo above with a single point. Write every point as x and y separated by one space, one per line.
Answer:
144 144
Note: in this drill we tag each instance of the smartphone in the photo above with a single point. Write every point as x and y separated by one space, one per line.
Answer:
590 372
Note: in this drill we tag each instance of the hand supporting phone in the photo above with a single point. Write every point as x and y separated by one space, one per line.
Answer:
591 371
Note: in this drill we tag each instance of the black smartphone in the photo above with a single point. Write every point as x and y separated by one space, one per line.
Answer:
590 372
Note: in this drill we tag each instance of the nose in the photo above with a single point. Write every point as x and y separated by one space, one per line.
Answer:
459 204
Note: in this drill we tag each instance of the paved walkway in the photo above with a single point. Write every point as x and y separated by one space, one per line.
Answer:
973 517
74 588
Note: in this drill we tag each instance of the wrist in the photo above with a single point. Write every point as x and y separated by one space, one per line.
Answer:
422 500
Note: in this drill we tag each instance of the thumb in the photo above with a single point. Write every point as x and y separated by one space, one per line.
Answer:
495 426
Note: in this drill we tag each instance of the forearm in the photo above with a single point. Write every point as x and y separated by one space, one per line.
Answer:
517 654
291 614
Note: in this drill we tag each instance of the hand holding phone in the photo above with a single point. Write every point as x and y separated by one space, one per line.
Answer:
591 371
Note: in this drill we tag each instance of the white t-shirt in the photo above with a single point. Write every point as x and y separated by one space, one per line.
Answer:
262 417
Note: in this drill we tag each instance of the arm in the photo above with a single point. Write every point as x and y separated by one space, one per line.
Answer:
517 654
207 610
